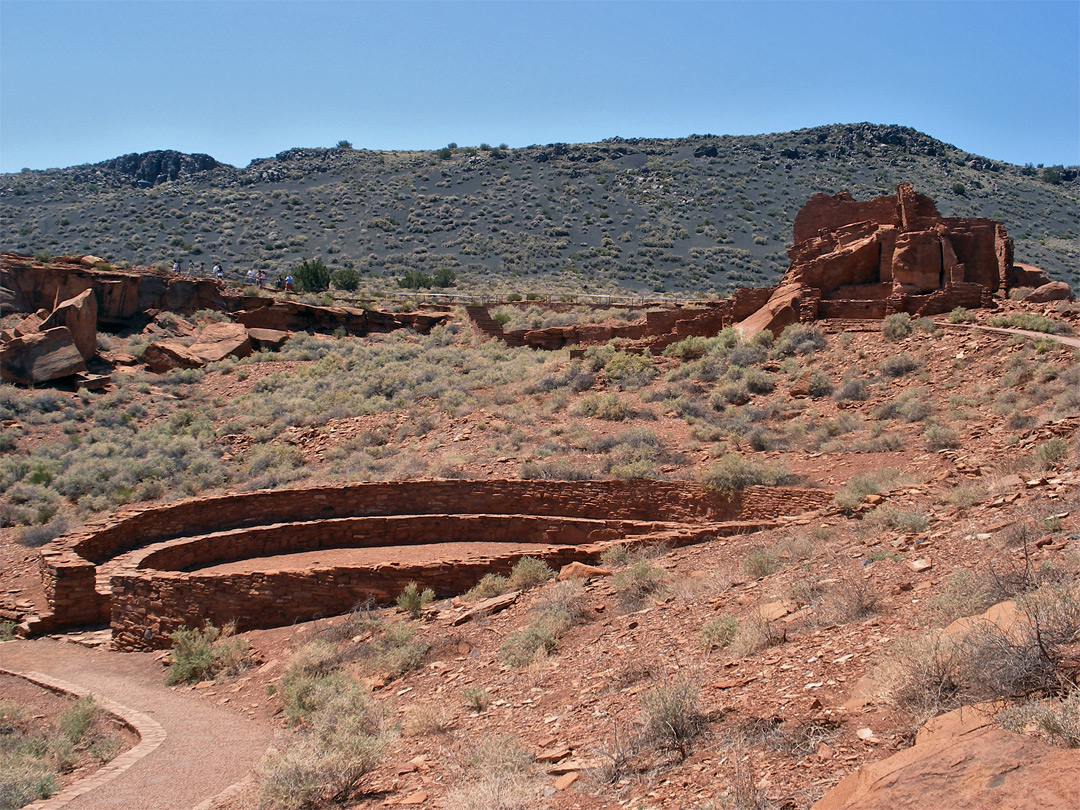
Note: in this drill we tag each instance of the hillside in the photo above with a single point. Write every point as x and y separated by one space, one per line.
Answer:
702 214
730 673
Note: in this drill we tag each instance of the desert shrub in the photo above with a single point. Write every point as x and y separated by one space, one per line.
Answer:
615 556
311 275
639 580
1031 321
799 338
964 594
608 407
961 315
75 721
23 779
523 647
898 365
476 697
939 436
897 326
719 631
1051 453
426 719
497 777
670 716
198 655
758 382
558 470
331 762
346 279
852 494
528 572
938 672
853 389
761 562
851 599
489 585
561 609
734 392
412 600
629 371
1057 720
734 472
819 385
900 520
757 633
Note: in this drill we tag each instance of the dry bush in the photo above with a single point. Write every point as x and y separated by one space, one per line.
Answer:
426 719
670 716
1033 656
638 581
529 572
489 585
207 653
719 631
495 775
761 562
1057 720
851 599
332 761
757 634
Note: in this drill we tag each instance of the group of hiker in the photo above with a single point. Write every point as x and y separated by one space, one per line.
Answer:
196 272
256 277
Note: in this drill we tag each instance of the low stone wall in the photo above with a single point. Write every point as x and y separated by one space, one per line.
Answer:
81 570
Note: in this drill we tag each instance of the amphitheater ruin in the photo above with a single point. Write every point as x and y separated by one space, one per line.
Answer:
271 558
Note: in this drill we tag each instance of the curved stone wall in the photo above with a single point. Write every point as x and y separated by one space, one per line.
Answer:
139 569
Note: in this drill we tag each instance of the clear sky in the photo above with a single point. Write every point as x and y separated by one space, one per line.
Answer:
82 82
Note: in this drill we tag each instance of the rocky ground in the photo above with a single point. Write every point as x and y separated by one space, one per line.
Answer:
955 463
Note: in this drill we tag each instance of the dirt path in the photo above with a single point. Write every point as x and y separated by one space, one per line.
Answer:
206 748
1068 341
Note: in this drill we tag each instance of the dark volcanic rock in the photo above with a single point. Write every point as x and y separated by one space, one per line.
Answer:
153 168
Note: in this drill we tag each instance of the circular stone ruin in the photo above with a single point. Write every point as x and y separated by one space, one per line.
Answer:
268 559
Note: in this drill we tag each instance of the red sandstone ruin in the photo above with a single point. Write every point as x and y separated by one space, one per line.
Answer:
149 571
850 260
870 259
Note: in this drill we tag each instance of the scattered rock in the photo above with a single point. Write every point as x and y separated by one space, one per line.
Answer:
40 357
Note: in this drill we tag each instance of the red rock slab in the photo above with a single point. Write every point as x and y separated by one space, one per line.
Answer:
985 768
79 315
220 340
268 339
164 355
40 357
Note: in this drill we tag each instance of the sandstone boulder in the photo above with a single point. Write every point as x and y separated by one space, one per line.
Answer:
220 340
964 762
165 355
79 315
1052 291
40 357
31 323
268 339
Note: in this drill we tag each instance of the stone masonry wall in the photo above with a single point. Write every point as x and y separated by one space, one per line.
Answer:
69 564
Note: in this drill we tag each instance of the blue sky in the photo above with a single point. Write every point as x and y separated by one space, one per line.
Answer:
82 82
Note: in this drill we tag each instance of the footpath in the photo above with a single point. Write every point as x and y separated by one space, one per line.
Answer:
204 748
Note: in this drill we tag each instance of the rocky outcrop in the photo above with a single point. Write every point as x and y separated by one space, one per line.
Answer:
40 357
165 355
963 760
220 340
154 168
121 295
79 315
1051 291
890 254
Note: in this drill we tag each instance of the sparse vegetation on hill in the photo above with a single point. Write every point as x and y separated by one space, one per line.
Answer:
703 214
